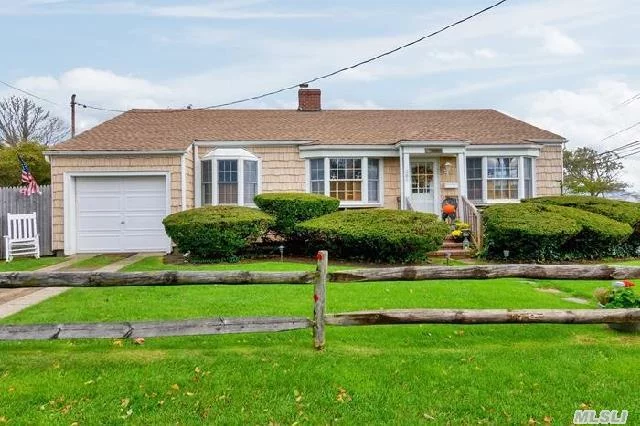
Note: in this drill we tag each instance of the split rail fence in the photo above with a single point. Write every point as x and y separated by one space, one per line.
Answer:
320 319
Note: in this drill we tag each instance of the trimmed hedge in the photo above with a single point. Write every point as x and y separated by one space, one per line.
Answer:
291 208
620 211
216 232
375 235
541 232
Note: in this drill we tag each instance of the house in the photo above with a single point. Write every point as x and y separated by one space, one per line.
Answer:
113 184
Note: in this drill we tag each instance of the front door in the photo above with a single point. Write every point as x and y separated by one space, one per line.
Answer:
423 185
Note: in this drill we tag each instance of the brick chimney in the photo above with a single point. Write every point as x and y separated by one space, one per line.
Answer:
308 99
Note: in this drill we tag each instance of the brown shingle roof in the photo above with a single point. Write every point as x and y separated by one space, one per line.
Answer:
176 129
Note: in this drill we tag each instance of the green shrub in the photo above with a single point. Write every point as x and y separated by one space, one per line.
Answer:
528 231
216 232
599 237
542 232
291 208
375 235
620 211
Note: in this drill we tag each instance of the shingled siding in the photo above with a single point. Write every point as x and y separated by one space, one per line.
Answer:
391 182
445 178
282 168
131 163
549 170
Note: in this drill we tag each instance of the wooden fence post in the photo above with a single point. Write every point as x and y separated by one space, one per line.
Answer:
319 298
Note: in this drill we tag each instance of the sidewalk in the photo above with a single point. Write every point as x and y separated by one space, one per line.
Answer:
13 300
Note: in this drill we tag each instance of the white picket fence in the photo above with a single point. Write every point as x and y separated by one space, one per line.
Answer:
12 201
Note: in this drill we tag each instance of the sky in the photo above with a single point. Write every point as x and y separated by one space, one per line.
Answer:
563 65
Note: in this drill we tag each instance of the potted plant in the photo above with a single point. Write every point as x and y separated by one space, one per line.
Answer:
460 231
620 295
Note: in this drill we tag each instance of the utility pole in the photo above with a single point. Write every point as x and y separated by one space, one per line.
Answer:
73 115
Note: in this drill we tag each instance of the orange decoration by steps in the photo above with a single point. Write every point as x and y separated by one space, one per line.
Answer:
448 209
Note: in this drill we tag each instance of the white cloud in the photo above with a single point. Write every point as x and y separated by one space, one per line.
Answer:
485 53
95 87
588 115
553 40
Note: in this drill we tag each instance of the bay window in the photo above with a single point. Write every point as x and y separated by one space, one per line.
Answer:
502 178
528 177
352 180
345 179
227 181
499 179
229 176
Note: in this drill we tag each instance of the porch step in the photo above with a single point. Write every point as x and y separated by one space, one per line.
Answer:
454 253
450 244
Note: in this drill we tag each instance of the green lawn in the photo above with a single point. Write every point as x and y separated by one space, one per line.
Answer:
155 263
582 289
95 262
29 263
438 374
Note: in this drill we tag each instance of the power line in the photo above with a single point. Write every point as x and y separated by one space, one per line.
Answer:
629 100
293 86
99 108
29 93
358 64
636 124
619 149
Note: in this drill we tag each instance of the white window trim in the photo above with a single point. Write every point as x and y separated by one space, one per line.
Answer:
364 168
521 183
214 181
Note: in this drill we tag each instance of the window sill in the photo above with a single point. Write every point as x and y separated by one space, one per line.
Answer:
505 201
358 204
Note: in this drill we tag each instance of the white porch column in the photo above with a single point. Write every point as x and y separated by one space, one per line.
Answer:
461 166
406 179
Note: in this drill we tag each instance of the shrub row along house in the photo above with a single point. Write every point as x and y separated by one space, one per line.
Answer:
113 184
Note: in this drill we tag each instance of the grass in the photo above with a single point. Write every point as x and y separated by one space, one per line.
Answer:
582 289
95 262
438 374
29 263
156 263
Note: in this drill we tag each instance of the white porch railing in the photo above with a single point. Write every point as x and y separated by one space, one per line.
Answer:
472 216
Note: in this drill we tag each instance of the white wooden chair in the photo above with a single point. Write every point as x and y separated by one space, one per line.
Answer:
22 236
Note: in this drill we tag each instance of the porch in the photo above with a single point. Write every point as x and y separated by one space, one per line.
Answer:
432 173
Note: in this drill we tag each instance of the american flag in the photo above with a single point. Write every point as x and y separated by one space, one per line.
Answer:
27 178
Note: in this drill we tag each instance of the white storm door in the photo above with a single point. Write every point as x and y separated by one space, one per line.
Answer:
423 185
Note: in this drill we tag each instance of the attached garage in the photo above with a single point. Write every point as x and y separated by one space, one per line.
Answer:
116 213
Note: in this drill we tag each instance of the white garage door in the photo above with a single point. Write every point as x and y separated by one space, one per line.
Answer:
121 214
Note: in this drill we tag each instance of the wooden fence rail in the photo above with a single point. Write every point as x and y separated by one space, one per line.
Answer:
12 201
410 273
209 326
485 316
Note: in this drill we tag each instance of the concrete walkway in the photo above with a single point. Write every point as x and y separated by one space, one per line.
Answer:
14 300
116 266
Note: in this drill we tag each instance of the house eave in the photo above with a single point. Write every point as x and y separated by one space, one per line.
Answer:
433 143
114 152
243 143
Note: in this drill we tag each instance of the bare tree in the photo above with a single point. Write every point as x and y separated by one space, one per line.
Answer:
21 120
